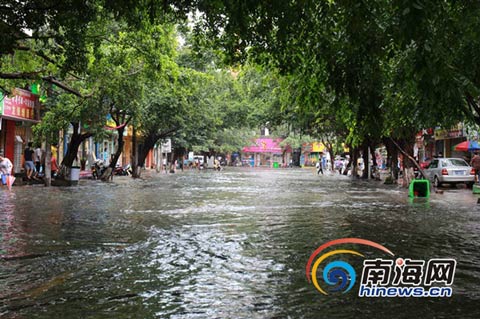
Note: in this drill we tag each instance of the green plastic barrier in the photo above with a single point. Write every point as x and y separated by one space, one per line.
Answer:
419 188
476 189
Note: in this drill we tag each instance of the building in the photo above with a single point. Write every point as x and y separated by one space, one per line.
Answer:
18 113
266 152
445 140
311 153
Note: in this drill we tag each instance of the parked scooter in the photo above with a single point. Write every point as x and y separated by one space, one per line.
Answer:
98 168
125 170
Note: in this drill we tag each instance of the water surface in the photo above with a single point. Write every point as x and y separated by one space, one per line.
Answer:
230 244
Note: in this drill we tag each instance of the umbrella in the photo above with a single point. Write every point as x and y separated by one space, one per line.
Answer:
467 146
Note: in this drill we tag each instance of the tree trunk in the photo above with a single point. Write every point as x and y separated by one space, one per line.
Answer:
108 173
410 160
366 162
392 158
375 173
329 147
149 142
296 155
135 171
372 154
75 141
158 158
179 154
355 155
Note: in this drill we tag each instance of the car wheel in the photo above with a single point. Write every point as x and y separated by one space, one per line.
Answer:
469 184
436 182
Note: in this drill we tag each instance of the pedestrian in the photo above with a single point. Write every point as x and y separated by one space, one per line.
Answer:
105 156
6 171
53 166
164 165
28 158
360 165
216 165
475 163
319 167
37 158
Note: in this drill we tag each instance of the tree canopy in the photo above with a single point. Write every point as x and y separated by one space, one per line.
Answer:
344 70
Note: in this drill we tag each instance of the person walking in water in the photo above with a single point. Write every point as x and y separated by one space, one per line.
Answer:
6 172
319 167
475 163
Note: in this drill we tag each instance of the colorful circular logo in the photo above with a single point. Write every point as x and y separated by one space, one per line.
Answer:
339 275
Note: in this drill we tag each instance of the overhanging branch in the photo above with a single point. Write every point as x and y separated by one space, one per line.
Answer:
409 157
21 75
65 87
474 106
45 57
35 76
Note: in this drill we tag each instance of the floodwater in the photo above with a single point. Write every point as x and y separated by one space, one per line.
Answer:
230 244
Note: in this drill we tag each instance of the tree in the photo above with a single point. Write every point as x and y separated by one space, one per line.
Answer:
371 55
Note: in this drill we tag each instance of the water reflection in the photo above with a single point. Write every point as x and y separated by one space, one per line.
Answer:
220 245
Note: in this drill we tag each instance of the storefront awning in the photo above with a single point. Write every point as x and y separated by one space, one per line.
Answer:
17 119
21 106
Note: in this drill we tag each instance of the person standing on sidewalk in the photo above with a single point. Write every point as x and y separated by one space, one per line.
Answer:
28 156
475 163
37 158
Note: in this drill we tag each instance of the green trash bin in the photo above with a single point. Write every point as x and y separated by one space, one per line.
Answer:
476 189
275 164
419 188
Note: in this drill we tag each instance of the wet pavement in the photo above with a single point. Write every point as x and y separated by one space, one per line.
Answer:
230 244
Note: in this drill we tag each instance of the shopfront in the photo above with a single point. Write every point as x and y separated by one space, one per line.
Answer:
311 153
18 113
265 152
445 140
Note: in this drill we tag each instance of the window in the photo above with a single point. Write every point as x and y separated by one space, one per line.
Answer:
457 162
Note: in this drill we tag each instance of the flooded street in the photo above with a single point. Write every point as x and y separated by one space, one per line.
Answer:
230 244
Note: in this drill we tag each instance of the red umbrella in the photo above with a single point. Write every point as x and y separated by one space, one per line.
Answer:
467 146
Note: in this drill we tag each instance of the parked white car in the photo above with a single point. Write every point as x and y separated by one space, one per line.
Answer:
450 171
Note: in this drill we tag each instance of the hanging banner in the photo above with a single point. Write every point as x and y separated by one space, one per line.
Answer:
454 132
167 146
264 145
20 107
318 147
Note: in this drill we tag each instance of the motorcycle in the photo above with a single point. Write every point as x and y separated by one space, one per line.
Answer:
125 170
98 168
